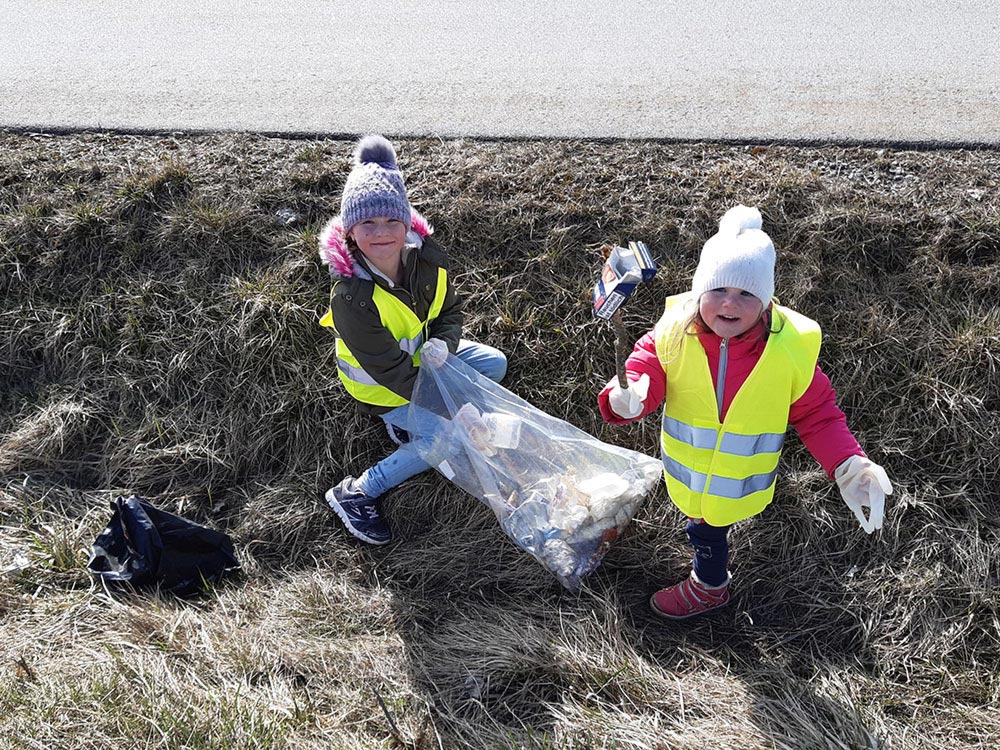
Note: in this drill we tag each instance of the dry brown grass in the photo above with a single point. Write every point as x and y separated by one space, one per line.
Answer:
159 335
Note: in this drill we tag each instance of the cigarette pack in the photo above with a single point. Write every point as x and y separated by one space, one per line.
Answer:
624 270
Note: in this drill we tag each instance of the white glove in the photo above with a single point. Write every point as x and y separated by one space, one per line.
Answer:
863 484
433 353
628 404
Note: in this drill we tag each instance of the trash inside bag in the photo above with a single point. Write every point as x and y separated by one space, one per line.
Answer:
143 545
560 494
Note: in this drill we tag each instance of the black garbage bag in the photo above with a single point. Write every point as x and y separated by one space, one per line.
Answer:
145 546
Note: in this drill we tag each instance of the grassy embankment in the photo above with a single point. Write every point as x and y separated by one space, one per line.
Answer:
159 335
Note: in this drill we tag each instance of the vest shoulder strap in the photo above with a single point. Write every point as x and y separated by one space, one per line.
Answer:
801 338
439 294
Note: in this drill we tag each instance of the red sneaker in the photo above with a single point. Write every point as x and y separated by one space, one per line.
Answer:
688 598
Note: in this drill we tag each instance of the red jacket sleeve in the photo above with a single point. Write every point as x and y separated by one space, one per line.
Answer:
822 426
642 361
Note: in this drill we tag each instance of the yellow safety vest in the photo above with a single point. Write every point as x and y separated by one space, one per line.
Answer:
408 330
724 471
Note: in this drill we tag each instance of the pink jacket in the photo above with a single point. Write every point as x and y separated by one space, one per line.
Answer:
821 425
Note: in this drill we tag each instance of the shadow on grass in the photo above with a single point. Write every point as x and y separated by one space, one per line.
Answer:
788 637
485 666
500 654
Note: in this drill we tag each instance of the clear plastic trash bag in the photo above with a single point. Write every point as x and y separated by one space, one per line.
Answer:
560 494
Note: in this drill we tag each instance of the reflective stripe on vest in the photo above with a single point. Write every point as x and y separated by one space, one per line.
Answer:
408 330
726 472
355 373
734 489
737 445
412 346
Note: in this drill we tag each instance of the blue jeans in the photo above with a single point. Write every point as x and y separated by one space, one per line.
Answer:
406 462
711 551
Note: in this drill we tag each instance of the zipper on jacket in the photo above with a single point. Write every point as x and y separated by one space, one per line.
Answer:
413 300
720 386
412 285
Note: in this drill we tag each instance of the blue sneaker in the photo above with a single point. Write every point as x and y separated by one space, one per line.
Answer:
362 515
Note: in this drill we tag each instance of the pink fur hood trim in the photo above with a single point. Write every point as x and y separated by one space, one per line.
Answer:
333 250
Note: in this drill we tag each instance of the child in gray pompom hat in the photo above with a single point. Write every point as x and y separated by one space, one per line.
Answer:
392 308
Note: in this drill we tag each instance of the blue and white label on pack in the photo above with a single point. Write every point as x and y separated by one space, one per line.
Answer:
645 260
611 302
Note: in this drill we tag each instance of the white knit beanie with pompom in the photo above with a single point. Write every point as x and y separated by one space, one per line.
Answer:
739 255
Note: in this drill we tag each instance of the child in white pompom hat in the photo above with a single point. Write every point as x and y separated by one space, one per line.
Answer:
733 369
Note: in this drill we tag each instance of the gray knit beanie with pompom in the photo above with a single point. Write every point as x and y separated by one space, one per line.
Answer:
739 255
374 188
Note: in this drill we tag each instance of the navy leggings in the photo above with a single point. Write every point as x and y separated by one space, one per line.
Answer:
711 552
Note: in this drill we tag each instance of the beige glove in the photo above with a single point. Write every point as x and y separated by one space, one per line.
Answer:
433 353
628 404
863 484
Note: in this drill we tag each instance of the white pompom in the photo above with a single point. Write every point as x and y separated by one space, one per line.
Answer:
738 218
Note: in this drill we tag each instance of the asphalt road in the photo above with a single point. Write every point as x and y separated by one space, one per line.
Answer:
919 71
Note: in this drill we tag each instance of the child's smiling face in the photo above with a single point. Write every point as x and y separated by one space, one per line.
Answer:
380 239
729 311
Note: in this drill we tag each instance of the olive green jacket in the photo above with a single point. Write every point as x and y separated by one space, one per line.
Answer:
356 319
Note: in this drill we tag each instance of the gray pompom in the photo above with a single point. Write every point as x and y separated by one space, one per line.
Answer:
375 149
